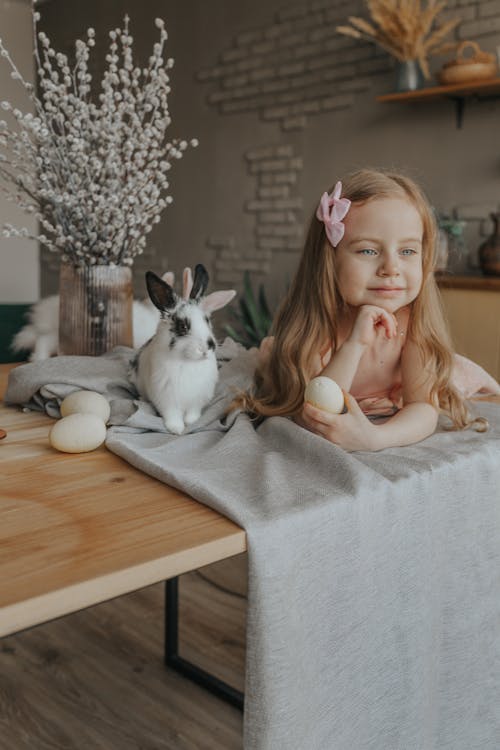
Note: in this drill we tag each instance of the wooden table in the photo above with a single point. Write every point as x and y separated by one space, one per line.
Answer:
78 529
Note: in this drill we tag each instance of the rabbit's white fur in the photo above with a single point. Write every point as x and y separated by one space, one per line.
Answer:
178 381
40 336
177 369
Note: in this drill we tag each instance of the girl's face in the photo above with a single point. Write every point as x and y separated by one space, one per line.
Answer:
379 260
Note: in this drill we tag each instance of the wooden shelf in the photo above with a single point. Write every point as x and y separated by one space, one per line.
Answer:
458 92
479 282
491 85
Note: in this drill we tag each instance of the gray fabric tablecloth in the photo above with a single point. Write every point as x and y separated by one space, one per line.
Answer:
374 578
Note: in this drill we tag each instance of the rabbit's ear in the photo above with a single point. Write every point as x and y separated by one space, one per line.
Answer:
169 277
200 282
162 295
187 283
216 300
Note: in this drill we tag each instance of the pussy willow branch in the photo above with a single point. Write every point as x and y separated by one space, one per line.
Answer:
95 171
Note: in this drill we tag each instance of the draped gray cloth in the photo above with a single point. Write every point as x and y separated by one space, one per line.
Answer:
374 578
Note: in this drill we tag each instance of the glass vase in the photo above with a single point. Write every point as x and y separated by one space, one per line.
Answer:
95 309
409 76
489 251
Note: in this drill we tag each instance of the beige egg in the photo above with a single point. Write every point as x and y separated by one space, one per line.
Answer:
324 393
86 402
78 433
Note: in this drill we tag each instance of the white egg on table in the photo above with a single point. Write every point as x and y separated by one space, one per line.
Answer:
86 402
326 394
78 433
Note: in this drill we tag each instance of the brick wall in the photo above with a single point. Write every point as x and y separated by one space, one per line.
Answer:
282 106
297 67
276 208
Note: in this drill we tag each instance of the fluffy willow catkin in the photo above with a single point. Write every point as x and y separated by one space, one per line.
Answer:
93 170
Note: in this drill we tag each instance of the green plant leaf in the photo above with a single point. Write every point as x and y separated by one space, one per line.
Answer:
263 304
234 335
249 301
253 316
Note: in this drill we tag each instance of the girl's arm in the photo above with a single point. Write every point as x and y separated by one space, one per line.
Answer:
418 417
342 366
345 361
354 431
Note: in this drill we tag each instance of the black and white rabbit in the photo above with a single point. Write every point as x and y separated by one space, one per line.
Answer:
177 369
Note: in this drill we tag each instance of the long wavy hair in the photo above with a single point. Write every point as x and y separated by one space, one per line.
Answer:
307 320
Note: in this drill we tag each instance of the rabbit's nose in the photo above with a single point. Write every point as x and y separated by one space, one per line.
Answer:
211 343
202 350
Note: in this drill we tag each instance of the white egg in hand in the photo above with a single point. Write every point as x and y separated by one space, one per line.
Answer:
324 393
86 402
78 433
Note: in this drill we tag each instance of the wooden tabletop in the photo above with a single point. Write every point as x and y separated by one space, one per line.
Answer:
77 529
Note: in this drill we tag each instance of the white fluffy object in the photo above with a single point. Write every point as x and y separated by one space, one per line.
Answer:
176 370
41 335
178 376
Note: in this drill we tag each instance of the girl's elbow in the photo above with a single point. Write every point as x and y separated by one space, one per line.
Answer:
429 415
425 413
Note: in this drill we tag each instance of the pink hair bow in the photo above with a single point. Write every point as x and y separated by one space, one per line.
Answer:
332 220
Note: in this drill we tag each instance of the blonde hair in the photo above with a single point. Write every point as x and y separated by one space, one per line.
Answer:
309 315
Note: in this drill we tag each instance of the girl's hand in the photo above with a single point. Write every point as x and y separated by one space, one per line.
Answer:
351 431
369 322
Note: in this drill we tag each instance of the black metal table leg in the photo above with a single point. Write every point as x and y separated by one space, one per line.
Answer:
183 666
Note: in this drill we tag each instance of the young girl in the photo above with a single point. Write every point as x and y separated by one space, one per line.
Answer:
364 310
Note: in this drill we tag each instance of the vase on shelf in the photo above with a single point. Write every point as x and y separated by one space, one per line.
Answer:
95 308
409 76
489 251
442 251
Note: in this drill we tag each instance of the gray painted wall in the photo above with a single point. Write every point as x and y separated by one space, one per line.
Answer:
19 269
283 106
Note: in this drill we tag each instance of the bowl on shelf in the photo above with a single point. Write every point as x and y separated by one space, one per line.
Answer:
479 66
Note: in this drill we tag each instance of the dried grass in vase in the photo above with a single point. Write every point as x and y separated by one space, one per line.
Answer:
406 29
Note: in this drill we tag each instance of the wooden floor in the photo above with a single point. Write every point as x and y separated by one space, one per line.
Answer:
95 680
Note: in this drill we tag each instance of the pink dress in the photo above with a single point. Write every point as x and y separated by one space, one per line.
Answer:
377 383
